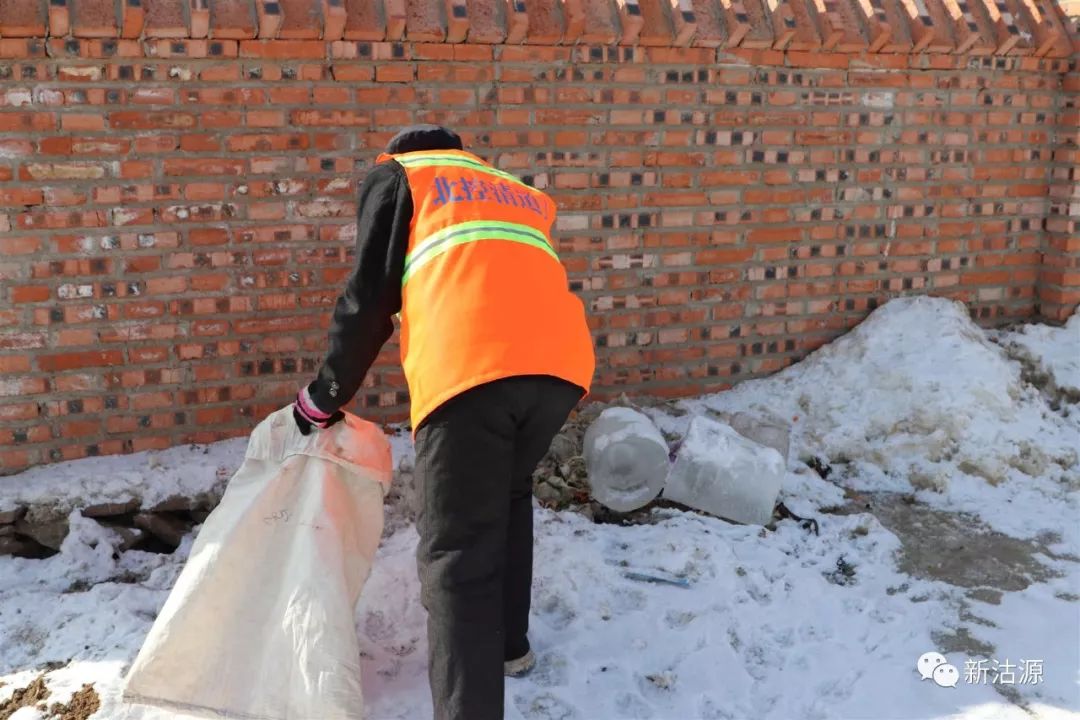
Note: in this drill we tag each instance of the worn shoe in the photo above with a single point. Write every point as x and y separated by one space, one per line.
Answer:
521 666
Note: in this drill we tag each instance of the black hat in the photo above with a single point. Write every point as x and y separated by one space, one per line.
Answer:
423 137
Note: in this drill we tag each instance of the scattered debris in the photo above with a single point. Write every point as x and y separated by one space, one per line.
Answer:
605 516
21 546
663 681
130 538
165 527
844 574
782 512
84 703
656 576
402 498
174 503
45 525
78 586
8 517
561 480
822 468
555 492
104 510
564 448
38 531
28 696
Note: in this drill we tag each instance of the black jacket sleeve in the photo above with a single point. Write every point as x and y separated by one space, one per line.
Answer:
363 317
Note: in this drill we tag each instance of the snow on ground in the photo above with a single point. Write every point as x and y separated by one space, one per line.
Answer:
760 633
1054 351
772 625
917 397
151 476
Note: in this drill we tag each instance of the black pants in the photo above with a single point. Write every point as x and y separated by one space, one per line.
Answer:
475 457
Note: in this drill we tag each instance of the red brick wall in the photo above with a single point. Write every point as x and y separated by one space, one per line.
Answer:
176 213
1059 275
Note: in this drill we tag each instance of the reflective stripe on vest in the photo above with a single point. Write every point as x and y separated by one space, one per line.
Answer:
438 243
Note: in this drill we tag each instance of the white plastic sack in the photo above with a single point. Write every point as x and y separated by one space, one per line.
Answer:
260 623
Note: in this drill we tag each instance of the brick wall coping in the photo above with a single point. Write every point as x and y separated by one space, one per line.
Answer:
896 34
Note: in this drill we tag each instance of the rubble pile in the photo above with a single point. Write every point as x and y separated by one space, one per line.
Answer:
38 531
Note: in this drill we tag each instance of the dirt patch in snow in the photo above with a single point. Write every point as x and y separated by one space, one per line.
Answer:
83 704
954 548
28 696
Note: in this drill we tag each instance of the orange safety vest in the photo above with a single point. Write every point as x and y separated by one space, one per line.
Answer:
484 295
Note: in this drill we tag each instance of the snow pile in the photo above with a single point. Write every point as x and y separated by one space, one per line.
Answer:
914 397
188 471
1053 352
